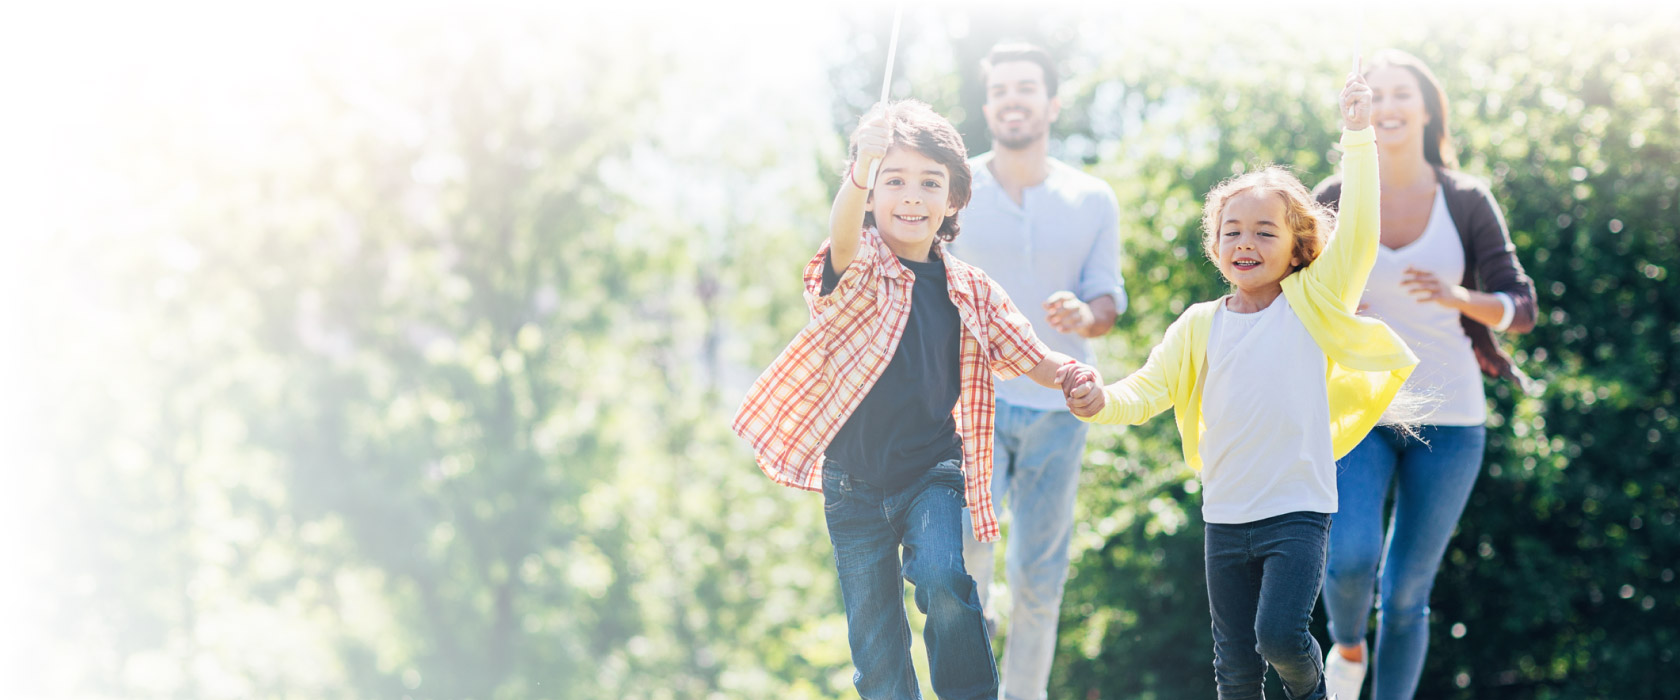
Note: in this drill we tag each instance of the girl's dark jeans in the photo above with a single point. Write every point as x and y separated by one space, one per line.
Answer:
1263 580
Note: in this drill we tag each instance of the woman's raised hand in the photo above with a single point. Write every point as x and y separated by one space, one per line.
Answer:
1356 102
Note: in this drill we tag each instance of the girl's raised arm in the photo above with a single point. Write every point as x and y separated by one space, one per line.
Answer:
1346 262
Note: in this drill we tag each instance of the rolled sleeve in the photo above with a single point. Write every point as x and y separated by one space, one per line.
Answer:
1101 273
1497 265
1014 349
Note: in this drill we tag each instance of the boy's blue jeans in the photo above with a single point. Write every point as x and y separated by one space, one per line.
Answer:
1036 461
1263 579
1432 479
867 525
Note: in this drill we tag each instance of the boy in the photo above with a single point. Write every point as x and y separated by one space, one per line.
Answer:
866 403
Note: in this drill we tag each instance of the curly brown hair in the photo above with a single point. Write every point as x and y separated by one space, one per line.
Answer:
916 126
1309 221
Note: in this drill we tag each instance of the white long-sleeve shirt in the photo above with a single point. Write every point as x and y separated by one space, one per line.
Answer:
1266 450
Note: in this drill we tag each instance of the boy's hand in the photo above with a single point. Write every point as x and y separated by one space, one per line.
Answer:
1356 102
873 137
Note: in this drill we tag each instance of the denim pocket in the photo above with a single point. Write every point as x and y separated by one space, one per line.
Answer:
835 485
950 473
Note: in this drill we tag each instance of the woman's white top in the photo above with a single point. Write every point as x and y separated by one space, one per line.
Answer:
1447 378
1266 407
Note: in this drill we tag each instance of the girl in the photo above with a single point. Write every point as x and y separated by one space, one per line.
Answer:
1269 385
1446 276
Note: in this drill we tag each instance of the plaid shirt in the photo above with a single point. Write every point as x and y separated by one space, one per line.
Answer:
800 402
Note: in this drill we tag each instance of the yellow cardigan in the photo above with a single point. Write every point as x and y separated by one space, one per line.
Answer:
1367 361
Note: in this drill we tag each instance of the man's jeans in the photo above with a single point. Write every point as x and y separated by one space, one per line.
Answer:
1036 459
867 525
1263 579
1432 480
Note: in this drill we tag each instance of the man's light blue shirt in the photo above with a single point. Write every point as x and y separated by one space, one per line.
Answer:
1064 235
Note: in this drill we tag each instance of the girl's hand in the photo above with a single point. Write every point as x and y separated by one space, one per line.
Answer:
1356 102
1425 286
1087 399
873 137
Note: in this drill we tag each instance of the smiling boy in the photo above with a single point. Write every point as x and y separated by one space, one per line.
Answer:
884 402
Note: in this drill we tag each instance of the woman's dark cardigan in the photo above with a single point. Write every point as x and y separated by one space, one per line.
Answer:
1490 261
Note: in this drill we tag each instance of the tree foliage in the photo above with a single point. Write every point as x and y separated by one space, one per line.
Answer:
404 369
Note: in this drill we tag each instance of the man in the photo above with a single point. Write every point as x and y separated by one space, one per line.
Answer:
1048 234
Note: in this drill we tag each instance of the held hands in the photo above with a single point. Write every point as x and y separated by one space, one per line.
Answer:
1067 313
873 137
1356 102
1082 387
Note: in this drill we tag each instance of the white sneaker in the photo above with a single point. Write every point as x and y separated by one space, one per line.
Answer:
1343 678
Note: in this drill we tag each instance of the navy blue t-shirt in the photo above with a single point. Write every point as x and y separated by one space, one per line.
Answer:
903 426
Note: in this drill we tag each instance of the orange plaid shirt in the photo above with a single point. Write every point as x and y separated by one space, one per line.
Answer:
799 403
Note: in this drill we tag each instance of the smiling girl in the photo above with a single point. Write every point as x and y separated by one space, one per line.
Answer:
1270 384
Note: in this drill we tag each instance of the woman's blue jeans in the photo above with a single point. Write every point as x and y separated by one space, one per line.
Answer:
1432 478
1263 579
867 526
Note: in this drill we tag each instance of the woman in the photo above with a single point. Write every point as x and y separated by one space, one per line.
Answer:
1446 277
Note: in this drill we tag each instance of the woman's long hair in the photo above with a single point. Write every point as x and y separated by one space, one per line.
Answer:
1437 134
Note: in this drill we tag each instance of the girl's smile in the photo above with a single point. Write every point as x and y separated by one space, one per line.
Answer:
1256 248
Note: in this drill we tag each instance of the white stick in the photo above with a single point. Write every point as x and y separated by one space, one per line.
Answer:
886 81
1358 41
1358 35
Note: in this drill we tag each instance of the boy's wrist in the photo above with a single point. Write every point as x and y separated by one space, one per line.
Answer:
851 176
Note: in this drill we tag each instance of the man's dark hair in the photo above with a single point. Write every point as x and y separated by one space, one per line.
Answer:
1004 53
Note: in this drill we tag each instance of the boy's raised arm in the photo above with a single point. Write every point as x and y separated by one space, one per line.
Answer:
845 220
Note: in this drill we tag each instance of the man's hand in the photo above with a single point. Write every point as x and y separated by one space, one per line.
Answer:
1067 313
1356 102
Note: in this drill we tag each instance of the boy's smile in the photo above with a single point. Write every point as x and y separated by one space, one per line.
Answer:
1256 247
911 200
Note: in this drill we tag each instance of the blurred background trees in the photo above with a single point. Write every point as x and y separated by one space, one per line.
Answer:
360 356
